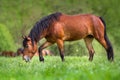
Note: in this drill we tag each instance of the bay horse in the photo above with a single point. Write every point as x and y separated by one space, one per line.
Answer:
59 27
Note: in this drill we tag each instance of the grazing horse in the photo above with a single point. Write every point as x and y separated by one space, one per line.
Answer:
59 27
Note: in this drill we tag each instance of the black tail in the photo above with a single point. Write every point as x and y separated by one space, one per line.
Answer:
109 50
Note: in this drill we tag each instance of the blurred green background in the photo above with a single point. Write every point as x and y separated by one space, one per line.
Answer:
17 17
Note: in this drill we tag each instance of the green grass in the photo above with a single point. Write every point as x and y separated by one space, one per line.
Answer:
74 68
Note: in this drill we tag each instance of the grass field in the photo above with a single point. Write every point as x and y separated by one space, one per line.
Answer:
74 68
17 17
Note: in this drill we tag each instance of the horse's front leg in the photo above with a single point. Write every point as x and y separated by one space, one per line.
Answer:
60 45
44 45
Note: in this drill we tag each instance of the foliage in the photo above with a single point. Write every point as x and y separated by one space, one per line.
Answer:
6 40
74 68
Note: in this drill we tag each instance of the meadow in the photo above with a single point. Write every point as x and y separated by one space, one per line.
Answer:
17 17
74 68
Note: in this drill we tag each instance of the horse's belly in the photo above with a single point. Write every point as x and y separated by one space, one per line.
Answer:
75 32
73 36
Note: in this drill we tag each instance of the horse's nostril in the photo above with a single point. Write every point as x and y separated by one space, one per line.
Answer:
27 58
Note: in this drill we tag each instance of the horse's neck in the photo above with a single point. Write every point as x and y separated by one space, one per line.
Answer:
43 34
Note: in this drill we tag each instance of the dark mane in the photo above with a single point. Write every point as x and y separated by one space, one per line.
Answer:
41 25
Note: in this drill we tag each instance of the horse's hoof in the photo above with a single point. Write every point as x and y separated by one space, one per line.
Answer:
63 60
90 59
41 59
111 60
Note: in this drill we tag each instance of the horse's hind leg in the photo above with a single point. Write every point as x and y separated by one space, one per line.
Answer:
88 41
101 35
107 45
44 45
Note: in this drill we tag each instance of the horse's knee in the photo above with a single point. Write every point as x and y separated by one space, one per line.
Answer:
39 49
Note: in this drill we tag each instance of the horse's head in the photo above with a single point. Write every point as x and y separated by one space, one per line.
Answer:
30 48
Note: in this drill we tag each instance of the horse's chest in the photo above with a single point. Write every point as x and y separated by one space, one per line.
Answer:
50 38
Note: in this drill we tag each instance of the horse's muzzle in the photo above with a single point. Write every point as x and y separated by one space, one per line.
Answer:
26 58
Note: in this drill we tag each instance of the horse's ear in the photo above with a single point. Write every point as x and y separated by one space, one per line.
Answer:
28 38
23 36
